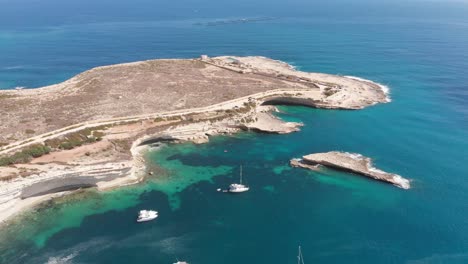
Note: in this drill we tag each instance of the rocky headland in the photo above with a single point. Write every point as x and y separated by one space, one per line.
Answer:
93 130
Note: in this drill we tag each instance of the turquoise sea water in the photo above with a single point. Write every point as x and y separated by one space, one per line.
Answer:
420 50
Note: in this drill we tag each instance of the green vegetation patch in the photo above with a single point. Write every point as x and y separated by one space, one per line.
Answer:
6 96
69 141
159 119
76 139
29 131
25 155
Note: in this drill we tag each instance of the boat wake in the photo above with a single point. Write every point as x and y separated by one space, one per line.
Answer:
62 260
234 21
176 245
7 68
67 256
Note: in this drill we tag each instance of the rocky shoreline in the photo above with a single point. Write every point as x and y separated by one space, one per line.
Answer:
112 172
350 162
117 159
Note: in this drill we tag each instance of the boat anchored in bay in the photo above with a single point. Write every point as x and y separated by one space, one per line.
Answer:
238 187
147 215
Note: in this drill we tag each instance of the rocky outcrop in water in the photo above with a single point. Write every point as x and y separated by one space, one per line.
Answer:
267 123
351 162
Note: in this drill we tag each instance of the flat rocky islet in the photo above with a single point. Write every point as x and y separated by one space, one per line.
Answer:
130 105
352 162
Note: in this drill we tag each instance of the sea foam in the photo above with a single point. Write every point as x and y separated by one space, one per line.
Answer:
383 87
355 156
403 183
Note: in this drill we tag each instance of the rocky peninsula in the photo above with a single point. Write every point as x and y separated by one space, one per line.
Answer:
93 129
351 162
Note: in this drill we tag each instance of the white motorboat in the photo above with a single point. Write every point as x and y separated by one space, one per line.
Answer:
238 187
147 215
180 262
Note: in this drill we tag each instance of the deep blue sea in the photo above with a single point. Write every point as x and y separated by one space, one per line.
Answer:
417 48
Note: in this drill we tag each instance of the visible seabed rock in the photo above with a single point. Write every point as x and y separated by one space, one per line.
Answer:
351 162
239 101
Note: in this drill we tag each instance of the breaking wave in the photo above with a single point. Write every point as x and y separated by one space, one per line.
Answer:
355 156
384 88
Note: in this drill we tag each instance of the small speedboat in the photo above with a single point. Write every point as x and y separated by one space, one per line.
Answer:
147 215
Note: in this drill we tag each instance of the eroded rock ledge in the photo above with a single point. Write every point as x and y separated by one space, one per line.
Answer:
158 86
351 162
98 124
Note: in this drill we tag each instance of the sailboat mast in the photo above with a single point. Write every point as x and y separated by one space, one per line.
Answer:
241 174
300 258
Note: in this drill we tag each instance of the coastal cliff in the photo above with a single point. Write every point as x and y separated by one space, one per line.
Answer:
158 86
351 162
102 121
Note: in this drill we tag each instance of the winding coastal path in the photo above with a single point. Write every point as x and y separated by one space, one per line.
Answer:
90 124
206 96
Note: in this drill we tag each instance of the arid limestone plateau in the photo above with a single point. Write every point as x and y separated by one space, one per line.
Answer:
93 129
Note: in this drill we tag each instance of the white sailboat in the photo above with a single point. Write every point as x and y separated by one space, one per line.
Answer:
300 258
238 187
